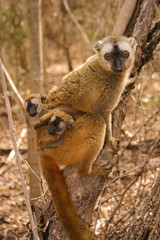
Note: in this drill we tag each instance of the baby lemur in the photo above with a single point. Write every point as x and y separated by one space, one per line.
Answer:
93 90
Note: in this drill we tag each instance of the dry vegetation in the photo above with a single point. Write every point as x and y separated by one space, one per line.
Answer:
139 155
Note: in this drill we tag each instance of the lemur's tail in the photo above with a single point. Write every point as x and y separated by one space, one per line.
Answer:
75 228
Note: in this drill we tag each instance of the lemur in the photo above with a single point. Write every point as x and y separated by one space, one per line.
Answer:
93 90
96 86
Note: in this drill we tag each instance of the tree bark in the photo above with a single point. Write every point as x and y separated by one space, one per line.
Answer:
85 191
36 80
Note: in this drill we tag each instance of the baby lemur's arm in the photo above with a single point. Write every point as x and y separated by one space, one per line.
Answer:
57 120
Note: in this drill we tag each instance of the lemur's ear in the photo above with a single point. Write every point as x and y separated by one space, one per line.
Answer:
43 98
97 46
133 42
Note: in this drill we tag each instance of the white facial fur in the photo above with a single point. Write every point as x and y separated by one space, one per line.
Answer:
108 47
125 46
61 125
36 101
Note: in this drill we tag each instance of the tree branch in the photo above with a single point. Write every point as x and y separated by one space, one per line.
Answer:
124 17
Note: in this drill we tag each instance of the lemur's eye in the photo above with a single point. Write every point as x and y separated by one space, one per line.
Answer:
125 54
107 56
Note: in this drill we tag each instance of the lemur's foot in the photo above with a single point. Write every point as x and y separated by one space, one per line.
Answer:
59 123
101 169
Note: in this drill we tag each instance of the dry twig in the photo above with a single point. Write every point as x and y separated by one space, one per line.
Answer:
15 90
138 130
19 141
142 169
18 157
13 86
76 22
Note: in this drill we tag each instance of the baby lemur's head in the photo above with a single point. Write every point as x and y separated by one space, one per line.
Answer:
33 104
116 53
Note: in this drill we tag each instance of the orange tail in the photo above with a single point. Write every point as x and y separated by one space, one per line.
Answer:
75 228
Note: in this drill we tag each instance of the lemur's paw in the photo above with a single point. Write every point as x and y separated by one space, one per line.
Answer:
48 105
107 168
113 143
57 126
104 169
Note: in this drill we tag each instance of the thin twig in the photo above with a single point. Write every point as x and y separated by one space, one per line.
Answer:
13 86
76 22
137 175
37 198
4 169
18 157
15 90
40 179
155 226
12 153
151 150
97 215
142 210
124 176
118 205
138 130
102 22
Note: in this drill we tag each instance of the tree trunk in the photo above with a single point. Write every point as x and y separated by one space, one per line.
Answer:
36 79
85 191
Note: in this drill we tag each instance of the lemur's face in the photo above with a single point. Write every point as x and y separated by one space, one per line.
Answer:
32 106
115 55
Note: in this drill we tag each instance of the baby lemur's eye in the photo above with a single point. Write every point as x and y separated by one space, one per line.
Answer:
125 54
107 56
